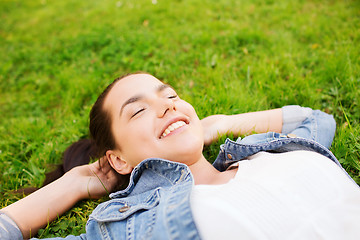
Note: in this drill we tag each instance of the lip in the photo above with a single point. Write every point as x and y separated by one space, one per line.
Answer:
171 121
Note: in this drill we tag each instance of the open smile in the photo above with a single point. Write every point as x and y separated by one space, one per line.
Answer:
174 125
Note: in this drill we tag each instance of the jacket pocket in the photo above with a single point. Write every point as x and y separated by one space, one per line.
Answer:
120 209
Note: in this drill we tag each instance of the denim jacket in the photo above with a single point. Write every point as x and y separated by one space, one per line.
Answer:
156 203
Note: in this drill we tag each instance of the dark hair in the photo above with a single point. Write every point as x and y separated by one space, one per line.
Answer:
100 123
77 154
82 151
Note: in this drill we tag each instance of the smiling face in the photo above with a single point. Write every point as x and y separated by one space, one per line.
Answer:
150 120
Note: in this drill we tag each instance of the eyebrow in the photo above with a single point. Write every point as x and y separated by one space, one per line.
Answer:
139 97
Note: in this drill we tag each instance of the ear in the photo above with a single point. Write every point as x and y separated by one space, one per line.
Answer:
118 163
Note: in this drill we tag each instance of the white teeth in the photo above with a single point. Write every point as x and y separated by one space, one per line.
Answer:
172 127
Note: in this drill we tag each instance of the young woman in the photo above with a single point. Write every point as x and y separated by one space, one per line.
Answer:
288 185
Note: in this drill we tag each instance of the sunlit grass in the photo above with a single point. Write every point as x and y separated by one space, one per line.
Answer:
222 56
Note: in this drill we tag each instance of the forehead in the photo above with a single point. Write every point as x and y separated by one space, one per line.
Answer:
136 83
127 87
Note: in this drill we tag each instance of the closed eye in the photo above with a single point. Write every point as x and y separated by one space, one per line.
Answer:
139 111
173 96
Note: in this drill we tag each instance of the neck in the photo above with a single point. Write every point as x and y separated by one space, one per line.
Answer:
205 173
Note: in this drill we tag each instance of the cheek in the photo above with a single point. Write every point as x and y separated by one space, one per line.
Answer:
137 142
195 120
187 108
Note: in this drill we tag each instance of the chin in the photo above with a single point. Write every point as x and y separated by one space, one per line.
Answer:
189 152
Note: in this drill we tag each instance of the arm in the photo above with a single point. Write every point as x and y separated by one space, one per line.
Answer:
240 124
36 210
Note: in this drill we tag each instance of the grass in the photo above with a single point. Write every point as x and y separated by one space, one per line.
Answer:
222 56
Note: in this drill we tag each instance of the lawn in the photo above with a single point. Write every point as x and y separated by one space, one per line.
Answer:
224 56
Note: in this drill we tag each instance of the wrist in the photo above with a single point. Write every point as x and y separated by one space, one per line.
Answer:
225 125
76 185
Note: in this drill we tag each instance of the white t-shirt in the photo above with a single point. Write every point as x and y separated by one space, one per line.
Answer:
293 195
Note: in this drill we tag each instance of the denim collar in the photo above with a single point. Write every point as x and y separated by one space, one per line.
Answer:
231 151
153 173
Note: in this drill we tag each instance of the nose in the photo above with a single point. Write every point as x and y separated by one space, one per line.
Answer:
165 106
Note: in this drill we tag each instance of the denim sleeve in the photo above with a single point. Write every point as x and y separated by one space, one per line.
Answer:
10 231
310 124
293 116
8 228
